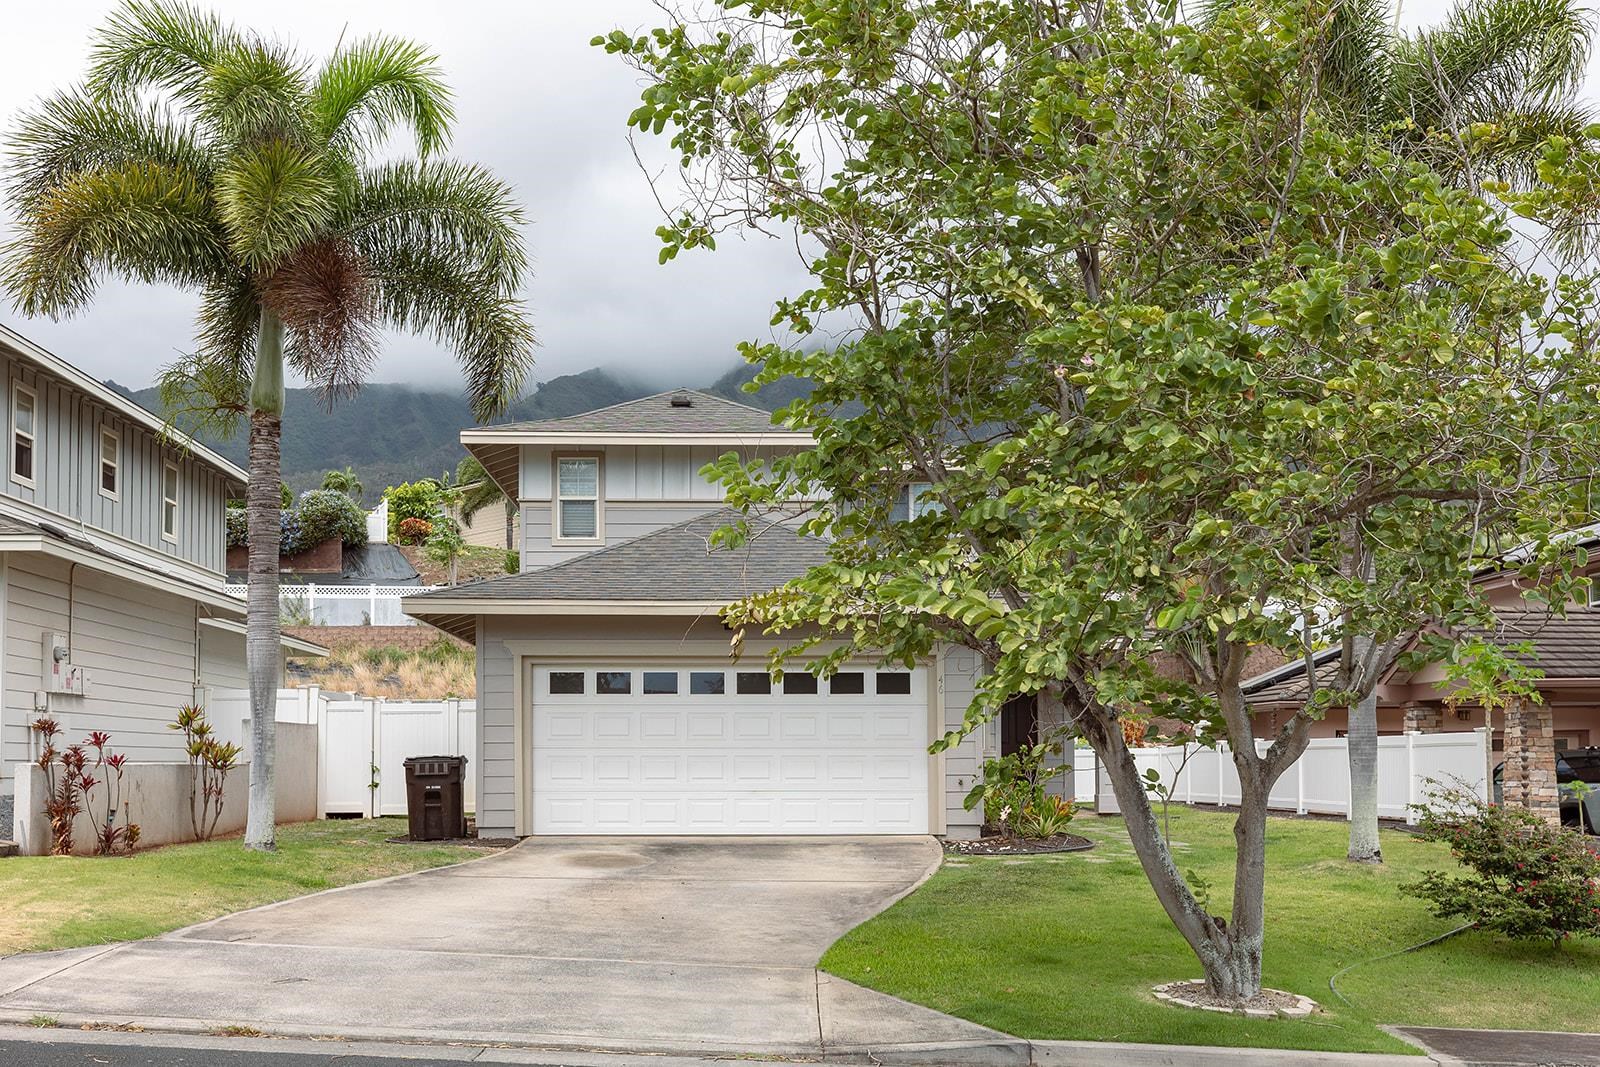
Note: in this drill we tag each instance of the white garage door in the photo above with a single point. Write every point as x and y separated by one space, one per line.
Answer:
631 748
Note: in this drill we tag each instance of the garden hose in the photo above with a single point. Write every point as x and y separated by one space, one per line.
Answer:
1387 955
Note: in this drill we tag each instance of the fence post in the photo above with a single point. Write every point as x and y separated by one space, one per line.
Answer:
374 708
1188 782
1413 791
311 603
1486 761
452 726
1300 782
372 604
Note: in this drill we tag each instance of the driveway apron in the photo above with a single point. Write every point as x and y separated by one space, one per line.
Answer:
629 943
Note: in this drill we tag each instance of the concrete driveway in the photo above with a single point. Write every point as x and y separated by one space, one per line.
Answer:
630 944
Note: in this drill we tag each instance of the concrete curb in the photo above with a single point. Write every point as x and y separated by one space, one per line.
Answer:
563 1048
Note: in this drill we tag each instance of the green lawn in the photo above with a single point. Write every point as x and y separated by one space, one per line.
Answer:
69 901
1069 946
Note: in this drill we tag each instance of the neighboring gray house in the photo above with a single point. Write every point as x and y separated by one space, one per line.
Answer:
608 700
111 565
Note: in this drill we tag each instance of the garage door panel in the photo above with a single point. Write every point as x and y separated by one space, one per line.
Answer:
703 762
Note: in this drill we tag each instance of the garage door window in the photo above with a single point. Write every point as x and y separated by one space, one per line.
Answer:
566 682
613 682
707 683
660 683
847 683
800 683
753 683
893 685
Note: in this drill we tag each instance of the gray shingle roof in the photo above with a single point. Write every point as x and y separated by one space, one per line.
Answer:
1563 647
676 563
695 412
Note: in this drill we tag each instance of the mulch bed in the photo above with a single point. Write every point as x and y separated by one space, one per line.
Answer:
1265 1004
1017 846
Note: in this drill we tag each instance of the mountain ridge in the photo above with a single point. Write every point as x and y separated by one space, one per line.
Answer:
392 432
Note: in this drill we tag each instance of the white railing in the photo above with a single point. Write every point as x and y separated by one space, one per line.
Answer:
344 605
363 742
1317 783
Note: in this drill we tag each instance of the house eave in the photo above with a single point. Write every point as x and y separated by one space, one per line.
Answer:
432 606
49 546
490 436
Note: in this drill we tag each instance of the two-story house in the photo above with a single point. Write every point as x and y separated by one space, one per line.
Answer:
609 702
112 544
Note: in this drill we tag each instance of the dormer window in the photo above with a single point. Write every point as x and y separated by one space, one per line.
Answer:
578 519
23 413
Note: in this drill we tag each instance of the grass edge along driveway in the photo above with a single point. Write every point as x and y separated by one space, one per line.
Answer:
1068 946
56 902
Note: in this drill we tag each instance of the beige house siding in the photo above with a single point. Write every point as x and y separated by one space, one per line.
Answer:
488 528
140 647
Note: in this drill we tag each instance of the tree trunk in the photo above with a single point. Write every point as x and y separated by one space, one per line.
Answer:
511 529
1229 950
1361 737
263 654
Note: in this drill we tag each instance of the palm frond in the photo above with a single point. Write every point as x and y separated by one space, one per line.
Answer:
73 132
367 89
228 320
156 44
256 92
272 198
458 208
478 489
201 395
140 221
450 298
1531 51
1358 48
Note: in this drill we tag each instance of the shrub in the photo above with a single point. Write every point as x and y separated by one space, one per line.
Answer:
513 561
1528 880
411 500
238 527
210 762
413 531
323 514
1014 795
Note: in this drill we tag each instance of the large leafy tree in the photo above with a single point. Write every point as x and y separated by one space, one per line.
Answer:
1476 98
218 160
1154 322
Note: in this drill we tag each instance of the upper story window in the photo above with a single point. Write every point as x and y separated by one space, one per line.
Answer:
23 415
110 463
919 500
169 502
577 517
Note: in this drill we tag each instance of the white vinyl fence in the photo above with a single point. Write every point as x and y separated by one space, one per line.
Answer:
364 742
1317 783
344 605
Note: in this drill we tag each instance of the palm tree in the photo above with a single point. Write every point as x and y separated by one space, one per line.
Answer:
346 482
1474 97
479 491
218 160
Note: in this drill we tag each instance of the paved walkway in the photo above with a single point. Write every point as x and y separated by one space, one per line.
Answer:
699 945
1509 1048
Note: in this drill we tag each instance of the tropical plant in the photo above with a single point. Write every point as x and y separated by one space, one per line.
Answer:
411 500
64 783
220 160
479 491
1014 792
413 531
1526 878
1151 323
210 762
110 835
345 481
238 523
325 514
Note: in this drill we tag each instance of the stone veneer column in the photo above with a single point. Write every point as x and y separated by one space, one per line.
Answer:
1530 775
1423 718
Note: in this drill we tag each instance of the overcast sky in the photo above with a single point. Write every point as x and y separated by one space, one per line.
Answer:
544 110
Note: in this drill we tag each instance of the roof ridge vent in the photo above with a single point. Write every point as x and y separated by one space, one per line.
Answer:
682 400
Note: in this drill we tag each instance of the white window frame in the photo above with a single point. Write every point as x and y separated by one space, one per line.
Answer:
171 537
915 492
114 493
556 499
18 391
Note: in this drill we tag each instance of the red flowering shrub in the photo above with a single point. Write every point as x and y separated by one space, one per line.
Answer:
413 531
1526 879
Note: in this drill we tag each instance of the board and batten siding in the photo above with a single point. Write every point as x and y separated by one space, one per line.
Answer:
66 479
138 645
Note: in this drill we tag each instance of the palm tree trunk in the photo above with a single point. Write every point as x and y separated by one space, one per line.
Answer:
1361 737
262 643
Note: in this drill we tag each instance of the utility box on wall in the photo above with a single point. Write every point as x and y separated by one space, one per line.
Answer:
59 674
